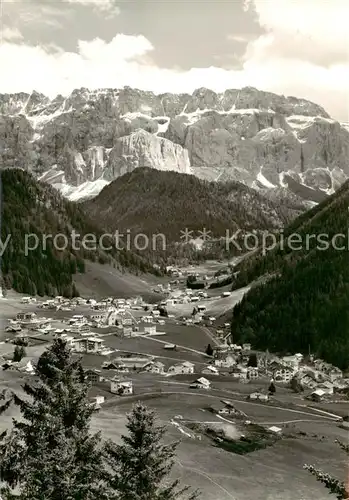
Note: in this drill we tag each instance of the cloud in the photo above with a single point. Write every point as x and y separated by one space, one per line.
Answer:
103 5
311 30
25 14
238 38
10 34
314 68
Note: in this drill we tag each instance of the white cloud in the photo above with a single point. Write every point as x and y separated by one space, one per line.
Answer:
273 62
237 38
104 5
10 34
311 30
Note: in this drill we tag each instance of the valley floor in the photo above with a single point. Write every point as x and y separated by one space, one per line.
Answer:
273 473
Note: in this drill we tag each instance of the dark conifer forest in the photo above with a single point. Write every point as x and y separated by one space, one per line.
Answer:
301 300
34 208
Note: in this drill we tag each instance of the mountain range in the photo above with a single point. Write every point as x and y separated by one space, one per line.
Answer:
82 142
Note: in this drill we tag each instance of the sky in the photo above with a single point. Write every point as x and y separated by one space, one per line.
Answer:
290 47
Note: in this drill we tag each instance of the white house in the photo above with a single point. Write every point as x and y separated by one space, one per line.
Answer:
201 383
326 386
182 368
122 387
307 380
26 316
335 374
226 362
150 330
155 367
170 347
117 366
78 319
99 318
210 370
275 429
292 361
148 319
281 373
88 345
317 395
97 401
93 375
239 372
127 331
259 396
82 328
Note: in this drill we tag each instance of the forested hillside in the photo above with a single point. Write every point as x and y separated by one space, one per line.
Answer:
153 201
304 301
31 207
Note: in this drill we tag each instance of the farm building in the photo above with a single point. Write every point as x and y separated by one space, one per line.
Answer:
259 396
88 345
122 387
155 367
210 370
201 383
93 375
182 368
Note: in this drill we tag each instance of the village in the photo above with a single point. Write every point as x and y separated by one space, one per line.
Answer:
175 351
122 341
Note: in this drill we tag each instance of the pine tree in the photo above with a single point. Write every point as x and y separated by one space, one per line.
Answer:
141 464
252 360
18 353
209 350
49 454
272 388
335 486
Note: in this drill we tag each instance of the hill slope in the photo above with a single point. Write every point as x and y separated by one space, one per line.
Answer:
36 213
153 202
304 301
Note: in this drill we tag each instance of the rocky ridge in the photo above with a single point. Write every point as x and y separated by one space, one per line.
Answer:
82 142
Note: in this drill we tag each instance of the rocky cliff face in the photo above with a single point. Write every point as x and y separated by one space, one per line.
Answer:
82 142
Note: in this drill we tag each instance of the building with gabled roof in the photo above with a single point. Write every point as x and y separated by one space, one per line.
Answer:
182 368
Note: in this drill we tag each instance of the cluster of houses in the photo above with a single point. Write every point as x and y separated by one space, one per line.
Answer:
314 376
62 303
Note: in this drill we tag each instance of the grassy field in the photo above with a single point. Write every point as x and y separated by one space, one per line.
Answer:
103 280
274 473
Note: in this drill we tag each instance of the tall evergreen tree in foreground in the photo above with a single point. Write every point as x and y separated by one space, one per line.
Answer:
49 454
335 486
141 464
